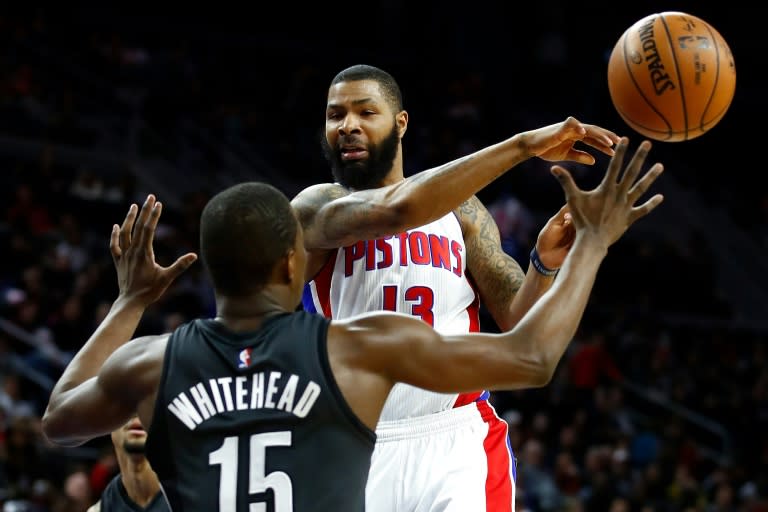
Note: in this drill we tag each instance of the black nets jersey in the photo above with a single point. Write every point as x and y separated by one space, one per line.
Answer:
256 418
115 499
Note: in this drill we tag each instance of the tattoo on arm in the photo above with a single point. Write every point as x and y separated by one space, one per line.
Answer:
497 275
309 202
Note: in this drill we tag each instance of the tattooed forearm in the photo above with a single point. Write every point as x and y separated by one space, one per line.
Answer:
497 275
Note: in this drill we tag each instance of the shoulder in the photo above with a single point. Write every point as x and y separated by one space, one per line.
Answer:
139 361
142 350
371 318
304 320
378 326
314 197
319 194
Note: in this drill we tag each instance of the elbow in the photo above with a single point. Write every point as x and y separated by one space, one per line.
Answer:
539 370
542 351
48 426
53 433
543 377
395 215
542 373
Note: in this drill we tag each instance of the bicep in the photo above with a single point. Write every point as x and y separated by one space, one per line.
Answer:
105 402
332 216
497 275
405 349
89 410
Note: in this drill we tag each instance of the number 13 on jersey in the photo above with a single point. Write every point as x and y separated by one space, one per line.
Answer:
420 298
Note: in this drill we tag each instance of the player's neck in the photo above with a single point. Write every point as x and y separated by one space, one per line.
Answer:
247 313
394 176
140 481
396 173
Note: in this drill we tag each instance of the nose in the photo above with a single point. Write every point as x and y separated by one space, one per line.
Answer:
350 124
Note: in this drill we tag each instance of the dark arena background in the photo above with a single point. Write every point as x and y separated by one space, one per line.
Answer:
661 402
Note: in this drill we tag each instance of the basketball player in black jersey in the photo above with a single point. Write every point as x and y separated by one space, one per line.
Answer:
263 404
136 488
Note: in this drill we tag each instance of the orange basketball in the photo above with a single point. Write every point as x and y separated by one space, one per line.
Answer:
671 76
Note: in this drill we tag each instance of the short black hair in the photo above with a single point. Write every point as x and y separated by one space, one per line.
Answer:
244 231
387 82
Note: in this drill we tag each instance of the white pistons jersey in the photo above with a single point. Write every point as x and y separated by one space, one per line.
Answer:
421 272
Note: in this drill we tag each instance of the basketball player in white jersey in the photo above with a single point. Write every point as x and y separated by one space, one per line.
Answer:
425 246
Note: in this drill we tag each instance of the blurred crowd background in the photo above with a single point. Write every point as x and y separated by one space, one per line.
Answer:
660 404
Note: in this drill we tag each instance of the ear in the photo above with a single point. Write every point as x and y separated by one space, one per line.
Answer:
402 123
290 267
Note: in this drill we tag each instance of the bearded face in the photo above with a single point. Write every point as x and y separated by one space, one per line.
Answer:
366 171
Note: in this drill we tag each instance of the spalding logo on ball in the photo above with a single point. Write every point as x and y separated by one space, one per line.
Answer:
671 76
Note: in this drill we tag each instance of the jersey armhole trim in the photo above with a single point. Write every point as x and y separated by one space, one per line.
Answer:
157 431
325 364
157 409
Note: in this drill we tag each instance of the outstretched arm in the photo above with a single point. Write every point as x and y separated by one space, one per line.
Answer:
333 217
78 404
525 356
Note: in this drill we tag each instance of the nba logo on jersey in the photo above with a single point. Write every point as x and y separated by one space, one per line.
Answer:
244 358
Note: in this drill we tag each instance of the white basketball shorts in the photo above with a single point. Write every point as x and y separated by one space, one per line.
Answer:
458 460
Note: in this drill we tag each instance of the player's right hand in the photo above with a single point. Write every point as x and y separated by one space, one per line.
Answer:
605 212
138 275
556 142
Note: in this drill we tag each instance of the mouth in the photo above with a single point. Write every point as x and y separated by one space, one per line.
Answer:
135 427
350 152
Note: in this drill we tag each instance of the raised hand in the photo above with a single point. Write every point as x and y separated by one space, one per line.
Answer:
138 275
556 142
606 212
555 239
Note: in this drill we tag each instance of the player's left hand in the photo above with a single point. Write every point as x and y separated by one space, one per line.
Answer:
556 142
556 238
138 275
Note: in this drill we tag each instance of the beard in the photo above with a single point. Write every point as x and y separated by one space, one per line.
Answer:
134 447
366 173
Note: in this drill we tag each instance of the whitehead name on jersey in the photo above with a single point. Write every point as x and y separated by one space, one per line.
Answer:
421 272
262 390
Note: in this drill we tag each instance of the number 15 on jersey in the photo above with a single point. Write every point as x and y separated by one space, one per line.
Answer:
258 482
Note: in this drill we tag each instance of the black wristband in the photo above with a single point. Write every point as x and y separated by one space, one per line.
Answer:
539 266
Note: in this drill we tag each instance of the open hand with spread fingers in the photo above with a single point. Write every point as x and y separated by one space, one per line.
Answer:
604 213
557 142
139 276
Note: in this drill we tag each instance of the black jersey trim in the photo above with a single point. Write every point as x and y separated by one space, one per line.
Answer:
128 501
227 336
157 431
325 364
